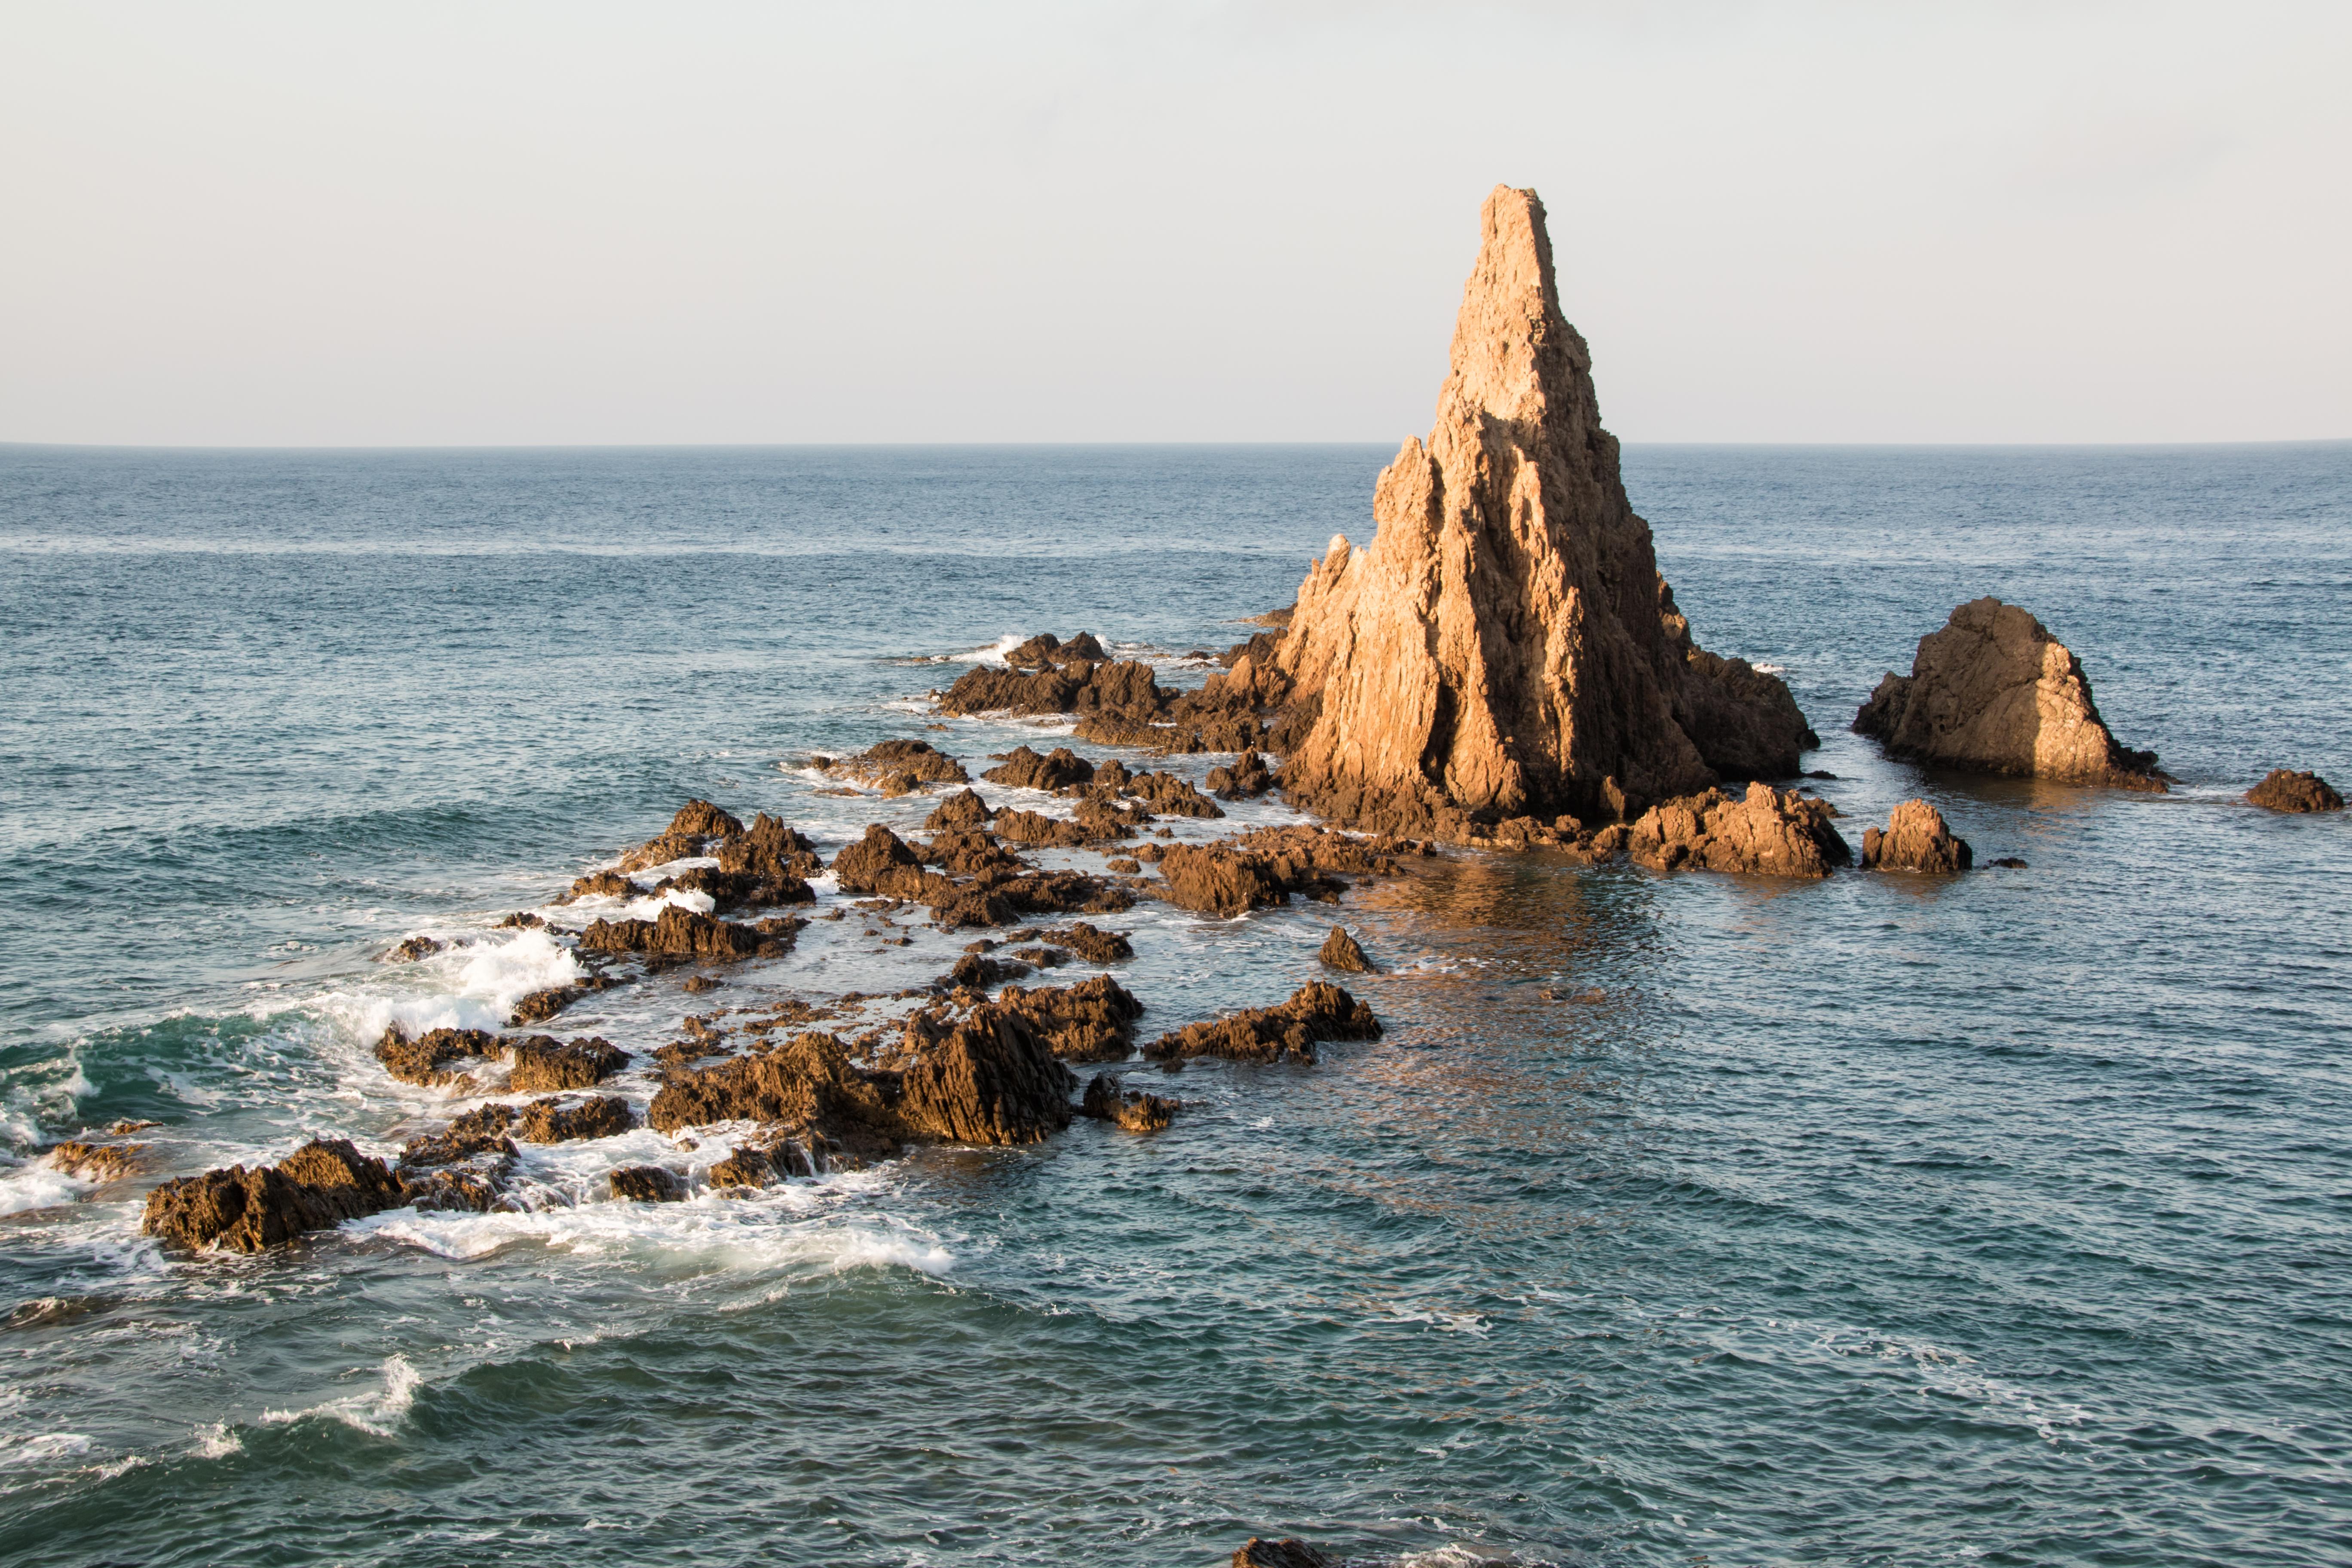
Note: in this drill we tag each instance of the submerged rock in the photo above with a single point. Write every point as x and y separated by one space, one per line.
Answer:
1315 1012
1994 692
1506 648
1916 840
413 949
1132 1110
319 1186
1341 952
479 1133
2284 790
1765 833
901 767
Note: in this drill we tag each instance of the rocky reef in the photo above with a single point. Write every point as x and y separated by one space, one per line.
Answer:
1993 692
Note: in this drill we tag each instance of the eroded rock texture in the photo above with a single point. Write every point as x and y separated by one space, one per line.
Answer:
1994 692
1764 833
1915 839
1316 1011
318 1186
1505 647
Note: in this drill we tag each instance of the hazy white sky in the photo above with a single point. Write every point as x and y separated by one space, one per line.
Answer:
464 223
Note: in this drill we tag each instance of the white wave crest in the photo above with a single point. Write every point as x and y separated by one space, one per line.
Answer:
376 1413
216 1441
36 1186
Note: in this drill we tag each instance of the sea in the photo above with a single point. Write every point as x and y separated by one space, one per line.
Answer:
1674 1219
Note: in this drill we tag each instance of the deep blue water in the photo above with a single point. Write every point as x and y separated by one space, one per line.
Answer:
2001 1220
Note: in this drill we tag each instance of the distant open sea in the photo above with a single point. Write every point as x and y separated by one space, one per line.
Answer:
1675 1220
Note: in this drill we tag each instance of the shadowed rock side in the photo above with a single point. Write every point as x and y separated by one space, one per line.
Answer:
1915 839
1316 1011
2284 790
318 1186
1994 692
1505 647
1288 1552
1342 951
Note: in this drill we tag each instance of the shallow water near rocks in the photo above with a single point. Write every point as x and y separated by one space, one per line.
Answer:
1674 1219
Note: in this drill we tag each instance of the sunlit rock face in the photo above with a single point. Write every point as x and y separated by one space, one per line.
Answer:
1505 646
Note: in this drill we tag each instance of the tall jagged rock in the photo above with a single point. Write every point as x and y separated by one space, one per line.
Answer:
1505 646
1994 692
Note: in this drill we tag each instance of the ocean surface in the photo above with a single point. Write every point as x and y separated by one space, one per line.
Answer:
1675 1219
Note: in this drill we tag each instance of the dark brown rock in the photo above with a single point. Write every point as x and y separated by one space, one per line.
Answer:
482 1132
1172 796
984 1078
1288 1552
806 1085
413 949
318 1186
1765 833
603 884
647 1185
1248 776
963 812
425 1061
540 1006
552 1121
1994 692
543 1064
1132 1109
770 851
2284 790
1341 952
747 1167
880 863
95 1162
1094 946
1315 1012
1916 840
701 819
1021 768
1092 1021
685 934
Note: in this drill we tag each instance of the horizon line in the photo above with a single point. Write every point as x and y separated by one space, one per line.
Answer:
335 447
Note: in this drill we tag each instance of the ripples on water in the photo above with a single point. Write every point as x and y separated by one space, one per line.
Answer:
1674 1219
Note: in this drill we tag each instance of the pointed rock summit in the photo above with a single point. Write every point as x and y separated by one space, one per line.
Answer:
1505 647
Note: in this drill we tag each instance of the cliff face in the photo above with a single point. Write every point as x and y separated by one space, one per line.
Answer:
1505 646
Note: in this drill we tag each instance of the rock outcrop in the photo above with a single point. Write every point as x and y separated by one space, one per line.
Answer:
984 1078
317 1187
2284 790
1915 839
1288 1552
647 1185
543 1064
1316 1011
1765 833
1132 1109
1506 648
1343 952
901 767
678 932
1092 1021
1993 692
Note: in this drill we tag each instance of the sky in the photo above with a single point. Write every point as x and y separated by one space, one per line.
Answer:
524 223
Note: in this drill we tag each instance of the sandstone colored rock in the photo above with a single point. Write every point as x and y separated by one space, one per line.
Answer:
1765 833
963 812
426 1059
806 1087
1505 646
1248 776
1915 839
983 1079
1315 1012
1994 692
1093 945
1021 768
683 933
901 767
2284 790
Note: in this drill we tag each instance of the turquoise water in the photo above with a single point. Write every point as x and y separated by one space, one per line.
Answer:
1875 1221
